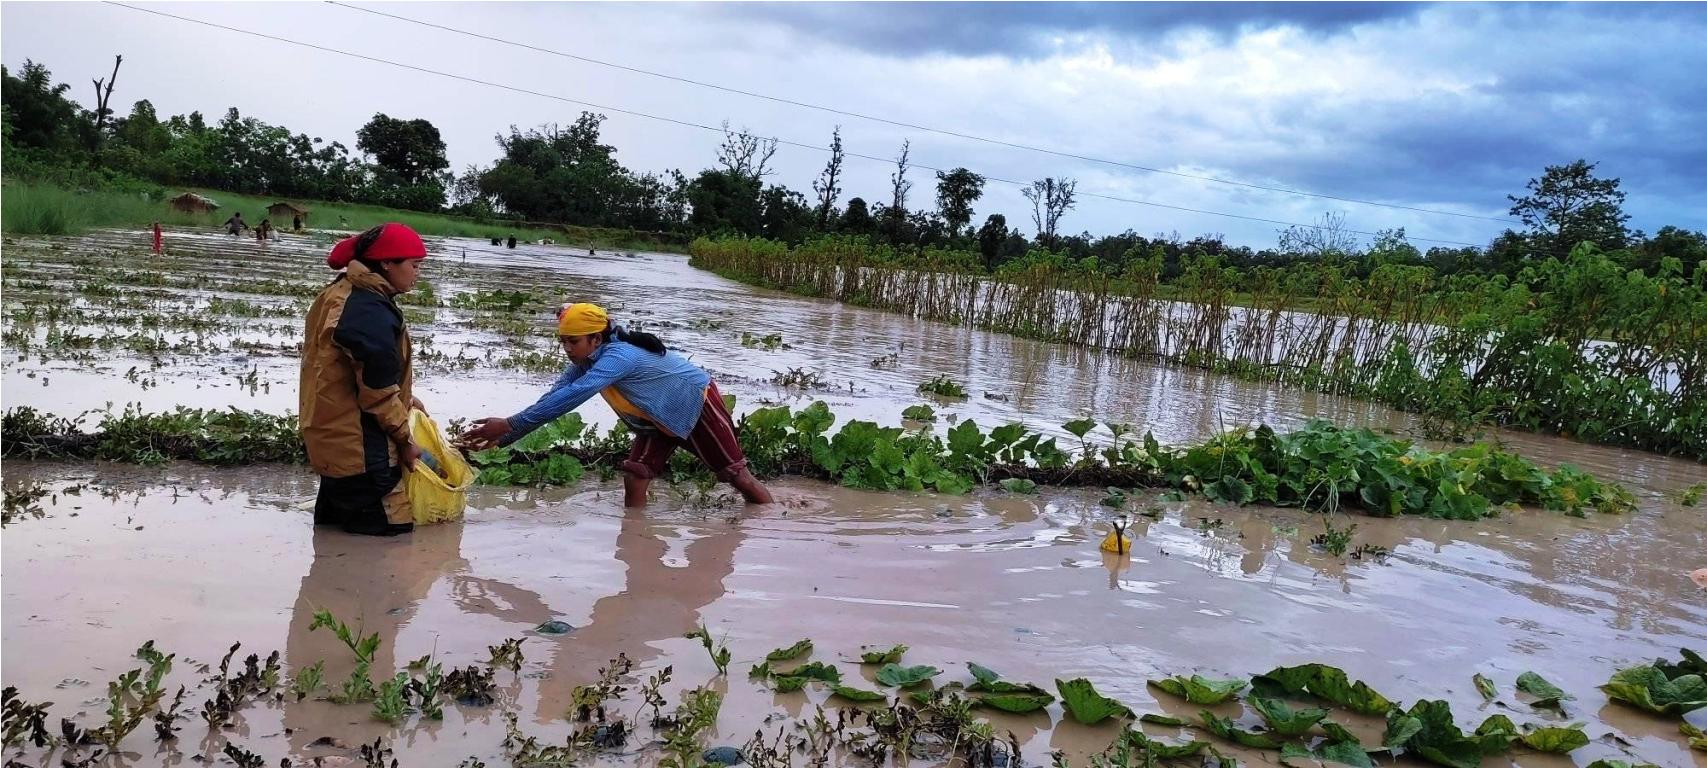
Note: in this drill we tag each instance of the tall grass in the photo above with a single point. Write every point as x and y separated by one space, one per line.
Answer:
37 208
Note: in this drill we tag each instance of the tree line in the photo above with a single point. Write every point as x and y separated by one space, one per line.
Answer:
568 175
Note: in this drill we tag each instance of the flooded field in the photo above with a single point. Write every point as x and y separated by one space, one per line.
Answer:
196 559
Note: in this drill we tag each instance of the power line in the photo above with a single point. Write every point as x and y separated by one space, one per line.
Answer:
720 130
913 126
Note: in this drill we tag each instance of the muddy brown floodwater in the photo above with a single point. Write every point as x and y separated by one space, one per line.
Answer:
196 558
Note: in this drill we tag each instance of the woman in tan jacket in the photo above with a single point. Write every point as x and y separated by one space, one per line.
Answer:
356 388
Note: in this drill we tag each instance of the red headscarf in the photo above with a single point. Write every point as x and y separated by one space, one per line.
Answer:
390 241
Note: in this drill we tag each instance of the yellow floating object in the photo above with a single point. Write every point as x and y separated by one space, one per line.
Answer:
1116 543
436 497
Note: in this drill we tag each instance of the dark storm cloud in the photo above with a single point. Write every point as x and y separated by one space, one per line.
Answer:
1023 29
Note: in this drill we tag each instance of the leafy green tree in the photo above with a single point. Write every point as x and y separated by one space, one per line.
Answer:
990 239
1569 205
37 113
556 174
410 149
857 219
956 191
724 201
784 215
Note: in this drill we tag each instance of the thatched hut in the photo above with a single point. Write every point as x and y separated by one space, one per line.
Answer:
283 212
190 202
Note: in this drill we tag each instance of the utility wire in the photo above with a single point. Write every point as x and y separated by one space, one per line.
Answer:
715 129
912 126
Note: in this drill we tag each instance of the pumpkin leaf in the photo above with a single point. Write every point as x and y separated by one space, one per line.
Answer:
898 676
1429 731
1158 750
1085 705
1648 687
1337 732
1547 695
788 684
1227 729
1285 720
855 694
816 670
984 675
1198 689
1321 681
882 657
1017 703
1485 687
1555 739
790 653
1155 719
1335 753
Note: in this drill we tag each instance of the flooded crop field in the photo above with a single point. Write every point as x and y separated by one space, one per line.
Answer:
100 559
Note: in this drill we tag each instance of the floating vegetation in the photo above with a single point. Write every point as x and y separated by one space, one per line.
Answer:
799 378
767 342
920 412
943 386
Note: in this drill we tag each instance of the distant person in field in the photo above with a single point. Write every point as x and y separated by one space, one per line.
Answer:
264 231
665 400
511 243
158 239
357 383
235 225
296 223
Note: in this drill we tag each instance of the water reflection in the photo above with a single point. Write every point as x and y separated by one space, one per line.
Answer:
656 602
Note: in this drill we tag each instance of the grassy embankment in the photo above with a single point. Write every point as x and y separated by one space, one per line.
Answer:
33 208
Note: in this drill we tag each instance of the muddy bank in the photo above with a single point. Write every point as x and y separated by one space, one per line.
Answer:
196 559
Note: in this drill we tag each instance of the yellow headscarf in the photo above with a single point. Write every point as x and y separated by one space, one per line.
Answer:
581 319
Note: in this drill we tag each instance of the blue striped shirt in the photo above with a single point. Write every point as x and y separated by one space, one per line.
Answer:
669 389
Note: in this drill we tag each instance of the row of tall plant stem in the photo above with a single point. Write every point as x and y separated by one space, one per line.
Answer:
1581 348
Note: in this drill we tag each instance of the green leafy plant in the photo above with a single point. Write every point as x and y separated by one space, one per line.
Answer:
888 656
920 412
943 386
1285 720
1324 682
897 676
718 652
1651 687
1200 690
1547 695
1085 705
506 655
790 653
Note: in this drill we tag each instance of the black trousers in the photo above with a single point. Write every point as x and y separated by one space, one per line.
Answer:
357 503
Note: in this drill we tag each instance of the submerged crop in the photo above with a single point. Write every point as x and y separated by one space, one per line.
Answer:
1319 466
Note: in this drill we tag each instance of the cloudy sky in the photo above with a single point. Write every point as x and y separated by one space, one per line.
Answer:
1444 107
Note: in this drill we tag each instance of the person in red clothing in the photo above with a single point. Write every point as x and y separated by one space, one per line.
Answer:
157 238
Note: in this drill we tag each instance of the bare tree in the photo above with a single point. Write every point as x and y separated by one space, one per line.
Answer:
898 181
1050 200
1328 237
828 184
744 154
101 99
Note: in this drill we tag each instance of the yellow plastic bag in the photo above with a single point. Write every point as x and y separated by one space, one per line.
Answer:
436 499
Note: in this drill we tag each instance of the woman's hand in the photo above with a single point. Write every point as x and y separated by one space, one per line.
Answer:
415 403
408 453
486 433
